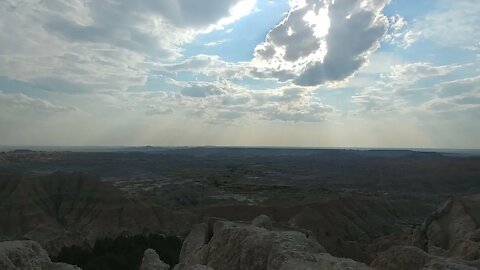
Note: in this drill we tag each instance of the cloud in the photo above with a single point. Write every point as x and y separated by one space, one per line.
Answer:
457 95
391 91
459 87
451 24
153 110
399 33
69 46
291 104
27 103
232 100
321 41
209 65
453 104
154 27
225 102
376 99
201 90
409 74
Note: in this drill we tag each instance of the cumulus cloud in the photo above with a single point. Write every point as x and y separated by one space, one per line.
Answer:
147 25
24 102
390 91
223 102
399 34
321 41
102 45
292 105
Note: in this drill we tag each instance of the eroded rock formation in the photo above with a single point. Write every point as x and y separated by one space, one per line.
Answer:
27 255
241 246
151 261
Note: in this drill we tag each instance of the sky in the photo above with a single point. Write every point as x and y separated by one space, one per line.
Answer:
304 73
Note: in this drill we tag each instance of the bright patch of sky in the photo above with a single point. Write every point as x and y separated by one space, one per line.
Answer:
238 41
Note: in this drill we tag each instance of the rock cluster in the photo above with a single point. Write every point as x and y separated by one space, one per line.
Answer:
448 239
27 255
410 257
256 246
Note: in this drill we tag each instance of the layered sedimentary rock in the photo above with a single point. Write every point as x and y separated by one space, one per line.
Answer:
64 209
239 246
346 224
27 255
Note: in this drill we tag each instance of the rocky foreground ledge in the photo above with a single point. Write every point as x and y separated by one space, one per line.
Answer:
255 246
448 240
28 255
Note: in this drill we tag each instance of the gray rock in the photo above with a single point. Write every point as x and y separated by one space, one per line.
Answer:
237 246
464 250
262 221
182 266
151 261
196 239
452 221
409 257
27 255
59 266
198 267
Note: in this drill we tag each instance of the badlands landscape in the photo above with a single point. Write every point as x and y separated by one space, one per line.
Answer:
239 208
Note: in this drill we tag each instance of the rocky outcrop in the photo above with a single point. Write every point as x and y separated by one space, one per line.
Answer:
448 239
413 258
456 219
452 231
151 261
262 221
346 224
27 255
196 239
238 246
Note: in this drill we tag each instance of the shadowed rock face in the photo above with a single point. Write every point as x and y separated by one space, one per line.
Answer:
27 255
453 229
61 210
448 239
345 224
124 252
409 257
237 246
